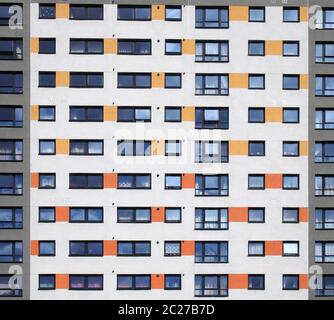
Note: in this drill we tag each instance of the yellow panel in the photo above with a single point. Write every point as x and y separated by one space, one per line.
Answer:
238 147
304 81
238 13
304 14
158 12
34 45
62 79
274 47
238 80
158 147
188 113
34 114
110 113
303 148
62 10
62 146
274 114
158 80
110 45
188 46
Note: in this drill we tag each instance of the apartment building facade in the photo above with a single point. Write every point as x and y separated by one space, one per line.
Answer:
171 150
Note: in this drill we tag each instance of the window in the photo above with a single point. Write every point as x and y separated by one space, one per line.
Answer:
290 282
6 14
134 47
173 181
47 80
290 215
324 152
11 82
47 147
324 251
46 214
290 14
256 181
47 11
11 49
172 114
5 290
257 14
11 217
133 114
86 282
211 118
290 248
47 181
172 148
11 116
324 86
256 48
172 248
142 13
255 248
173 215
211 286
11 184
211 84
133 282
256 215
290 115
173 80
86 248
47 113
133 215
211 185
211 251
86 80
324 218
212 17
86 114
86 46
290 181
86 147
173 47
325 286
134 148
290 149
88 214
11 251
212 51
46 248
256 81
172 282
86 12
325 18
290 82
173 13
86 181
324 118
290 48
47 45
134 80
256 282
134 181
46 282
11 150
256 115
134 248
256 148
324 52
324 185
211 151
211 218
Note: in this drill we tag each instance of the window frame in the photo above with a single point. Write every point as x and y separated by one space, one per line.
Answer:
257 8
134 45
52 141
86 112
85 247
202 24
134 80
87 76
46 221
52 276
133 244
52 242
173 7
291 254
291 42
86 176
14 222
86 147
291 76
202 258
290 176
290 275
262 276
134 7
258 143
221 57
262 109
290 9
258 75
200 192
51 174
170 74
220 90
263 248
221 212
86 215
86 46
134 178
134 218
53 107
258 175
86 282
86 8
173 108
284 143
173 175
133 282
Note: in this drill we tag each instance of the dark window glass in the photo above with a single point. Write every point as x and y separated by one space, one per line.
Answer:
133 215
256 148
136 47
11 48
46 248
11 184
173 13
173 80
11 218
134 181
325 286
290 82
47 181
211 84
256 282
11 150
290 149
133 282
86 248
11 82
134 80
211 151
211 185
256 115
86 46
324 218
290 115
6 13
172 114
256 48
255 248
257 14
290 282
86 80
11 251
47 80
11 116
324 52
47 11
47 113
255 181
46 282
133 12
47 45
5 290
324 85
86 181
211 218
211 285
324 185
47 214
86 282
211 118
211 251
86 147
133 248
86 12
290 215
87 114
172 282
212 17
324 118
256 81
86 214
47 147
256 215
212 51
133 114
290 48
290 14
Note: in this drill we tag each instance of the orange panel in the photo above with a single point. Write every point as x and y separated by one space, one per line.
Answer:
188 248
110 180
158 214
273 248
188 46
34 45
62 79
62 10
273 181
188 181
236 214
62 146
274 114
34 112
62 214
274 47
303 81
238 80
238 13
34 180
157 281
110 113
158 12
158 80
109 247
303 281
303 146
188 113
34 247
304 14
303 214
238 147
238 281
158 147
110 45
62 281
